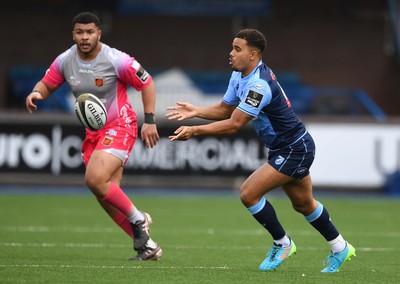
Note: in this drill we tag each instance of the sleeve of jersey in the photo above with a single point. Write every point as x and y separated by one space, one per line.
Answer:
230 97
53 76
131 72
256 98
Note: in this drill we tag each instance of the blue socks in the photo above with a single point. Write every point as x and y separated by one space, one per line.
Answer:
321 221
265 214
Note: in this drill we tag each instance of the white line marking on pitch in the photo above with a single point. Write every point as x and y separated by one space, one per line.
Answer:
177 247
110 267
209 231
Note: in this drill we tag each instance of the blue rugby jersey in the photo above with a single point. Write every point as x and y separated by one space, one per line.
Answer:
260 95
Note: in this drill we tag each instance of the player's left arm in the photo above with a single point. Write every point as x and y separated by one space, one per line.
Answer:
223 127
131 72
149 131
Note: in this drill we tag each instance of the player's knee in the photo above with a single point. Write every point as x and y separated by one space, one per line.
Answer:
304 208
247 197
298 208
96 184
90 181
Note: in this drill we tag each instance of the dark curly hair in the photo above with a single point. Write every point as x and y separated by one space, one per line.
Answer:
254 38
86 18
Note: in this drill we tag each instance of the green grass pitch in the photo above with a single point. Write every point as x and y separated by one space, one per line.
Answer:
49 238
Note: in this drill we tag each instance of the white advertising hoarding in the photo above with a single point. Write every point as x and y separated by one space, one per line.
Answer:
360 155
348 155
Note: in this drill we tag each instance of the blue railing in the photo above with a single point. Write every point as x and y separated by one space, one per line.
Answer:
395 22
306 100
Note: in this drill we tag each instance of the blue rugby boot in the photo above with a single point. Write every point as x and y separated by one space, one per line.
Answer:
335 260
276 256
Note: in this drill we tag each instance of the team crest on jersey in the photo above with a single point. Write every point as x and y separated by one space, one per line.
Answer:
107 141
253 99
279 160
99 81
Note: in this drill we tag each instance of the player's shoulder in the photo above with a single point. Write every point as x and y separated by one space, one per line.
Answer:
260 78
68 52
265 75
260 82
63 57
112 53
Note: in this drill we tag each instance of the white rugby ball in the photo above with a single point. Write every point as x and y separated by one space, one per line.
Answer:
90 111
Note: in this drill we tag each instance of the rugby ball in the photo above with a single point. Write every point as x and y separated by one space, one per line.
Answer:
90 111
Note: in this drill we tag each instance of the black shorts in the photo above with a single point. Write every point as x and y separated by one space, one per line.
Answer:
294 160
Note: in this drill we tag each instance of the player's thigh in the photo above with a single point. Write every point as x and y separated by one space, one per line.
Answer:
300 194
102 167
263 180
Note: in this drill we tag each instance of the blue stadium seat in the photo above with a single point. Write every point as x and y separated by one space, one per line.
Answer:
22 79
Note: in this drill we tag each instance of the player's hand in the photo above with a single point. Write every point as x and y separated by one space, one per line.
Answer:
30 99
181 111
183 133
149 135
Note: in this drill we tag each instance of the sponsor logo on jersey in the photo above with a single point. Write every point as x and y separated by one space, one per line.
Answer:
73 81
142 74
301 170
99 81
107 141
279 160
288 103
86 71
135 65
284 94
112 132
259 87
253 99
272 75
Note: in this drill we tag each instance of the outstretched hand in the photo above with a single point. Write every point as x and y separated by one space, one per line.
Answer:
181 111
30 101
183 133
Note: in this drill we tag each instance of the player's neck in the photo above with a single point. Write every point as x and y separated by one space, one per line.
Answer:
91 55
249 69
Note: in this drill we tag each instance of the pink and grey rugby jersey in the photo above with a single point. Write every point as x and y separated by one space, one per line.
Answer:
107 77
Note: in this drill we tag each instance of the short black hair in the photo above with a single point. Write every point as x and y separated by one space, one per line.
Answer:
254 38
86 18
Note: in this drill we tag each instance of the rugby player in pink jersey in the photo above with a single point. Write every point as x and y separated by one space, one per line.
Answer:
91 66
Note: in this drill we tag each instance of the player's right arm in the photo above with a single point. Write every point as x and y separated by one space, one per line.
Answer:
40 92
49 83
183 110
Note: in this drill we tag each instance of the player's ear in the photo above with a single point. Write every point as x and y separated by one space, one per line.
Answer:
99 37
253 54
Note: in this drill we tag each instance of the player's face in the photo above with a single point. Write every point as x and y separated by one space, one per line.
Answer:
86 37
242 56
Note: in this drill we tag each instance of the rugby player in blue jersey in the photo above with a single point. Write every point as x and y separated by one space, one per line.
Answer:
255 95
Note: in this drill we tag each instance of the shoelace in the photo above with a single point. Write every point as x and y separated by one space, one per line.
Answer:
329 259
274 252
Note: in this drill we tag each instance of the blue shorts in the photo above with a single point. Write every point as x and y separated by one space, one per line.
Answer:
294 160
